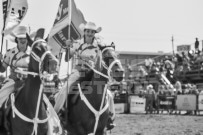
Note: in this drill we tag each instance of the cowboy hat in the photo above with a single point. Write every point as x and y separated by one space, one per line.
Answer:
150 86
90 26
20 31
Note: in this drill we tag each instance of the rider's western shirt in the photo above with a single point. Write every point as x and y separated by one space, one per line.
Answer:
87 53
16 59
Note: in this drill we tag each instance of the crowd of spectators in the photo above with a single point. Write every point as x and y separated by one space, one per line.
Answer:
170 67
182 61
153 96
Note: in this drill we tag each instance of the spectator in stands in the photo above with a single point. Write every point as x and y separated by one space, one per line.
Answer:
200 92
178 87
161 95
194 91
141 92
162 68
171 89
179 59
187 91
167 91
191 55
154 68
161 90
196 46
150 98
143 71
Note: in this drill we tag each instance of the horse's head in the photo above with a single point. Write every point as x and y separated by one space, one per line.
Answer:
41 59
112 63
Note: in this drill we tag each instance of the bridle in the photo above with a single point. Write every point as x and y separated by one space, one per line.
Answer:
38 59
116 61
109 68
35 120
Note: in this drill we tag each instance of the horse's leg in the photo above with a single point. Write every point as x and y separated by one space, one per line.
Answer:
104 132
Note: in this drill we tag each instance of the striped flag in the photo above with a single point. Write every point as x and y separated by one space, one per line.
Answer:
66 25
13 11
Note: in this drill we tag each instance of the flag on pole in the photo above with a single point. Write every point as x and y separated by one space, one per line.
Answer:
5 4
13 11
66 25
1 15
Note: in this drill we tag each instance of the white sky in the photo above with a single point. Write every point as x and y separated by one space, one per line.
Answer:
133 25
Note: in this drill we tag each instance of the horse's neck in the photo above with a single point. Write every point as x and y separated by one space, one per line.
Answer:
29 95
96 93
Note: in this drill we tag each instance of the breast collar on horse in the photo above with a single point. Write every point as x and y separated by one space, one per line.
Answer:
103 107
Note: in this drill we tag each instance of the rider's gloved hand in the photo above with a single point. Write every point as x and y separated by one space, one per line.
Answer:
69 43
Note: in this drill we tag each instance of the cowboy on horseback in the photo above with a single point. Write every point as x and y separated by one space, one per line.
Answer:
15 58
85 51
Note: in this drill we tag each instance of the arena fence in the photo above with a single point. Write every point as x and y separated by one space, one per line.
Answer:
139 104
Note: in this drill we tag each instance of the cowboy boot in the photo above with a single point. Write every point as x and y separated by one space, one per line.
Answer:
110 124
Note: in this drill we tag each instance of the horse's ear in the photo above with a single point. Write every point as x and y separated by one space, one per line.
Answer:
46 39
39 34
30 41
101 47
113 45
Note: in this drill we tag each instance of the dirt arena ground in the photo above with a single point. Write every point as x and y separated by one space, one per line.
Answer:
158 124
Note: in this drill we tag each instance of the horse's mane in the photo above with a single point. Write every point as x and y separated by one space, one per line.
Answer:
99 61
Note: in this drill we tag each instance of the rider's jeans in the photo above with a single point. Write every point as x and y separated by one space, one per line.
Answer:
6 90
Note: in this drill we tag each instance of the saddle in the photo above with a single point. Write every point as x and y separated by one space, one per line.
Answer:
5 110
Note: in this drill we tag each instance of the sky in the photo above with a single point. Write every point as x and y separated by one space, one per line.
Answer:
133 25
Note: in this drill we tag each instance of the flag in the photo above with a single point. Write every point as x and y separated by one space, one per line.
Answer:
13 12
54 124
65 19
5 4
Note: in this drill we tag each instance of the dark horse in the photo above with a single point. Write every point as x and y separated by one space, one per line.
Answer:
27 120
82 114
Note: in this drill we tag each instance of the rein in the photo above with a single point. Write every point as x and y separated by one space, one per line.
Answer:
105 66
35 120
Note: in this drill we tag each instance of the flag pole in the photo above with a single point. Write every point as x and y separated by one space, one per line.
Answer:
6 50
2 42
4 25
69 28
68 56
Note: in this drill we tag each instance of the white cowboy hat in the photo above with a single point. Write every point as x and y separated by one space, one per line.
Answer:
90 26
150 86
20 31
